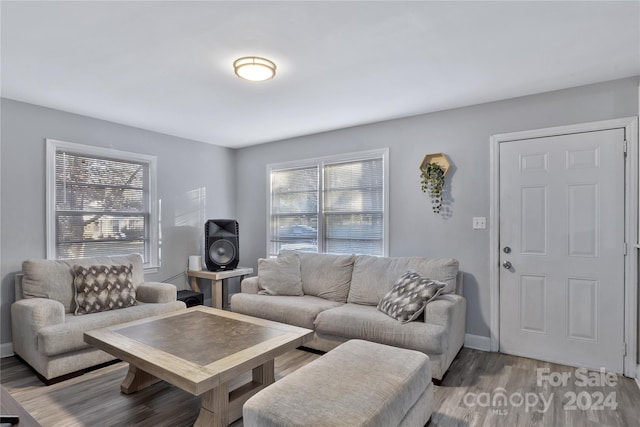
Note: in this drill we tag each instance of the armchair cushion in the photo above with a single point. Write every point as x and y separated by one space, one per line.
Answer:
103 287
47 279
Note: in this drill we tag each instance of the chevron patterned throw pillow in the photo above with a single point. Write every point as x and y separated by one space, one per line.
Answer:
103 287
409 295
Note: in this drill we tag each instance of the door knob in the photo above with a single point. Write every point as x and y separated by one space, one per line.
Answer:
507 265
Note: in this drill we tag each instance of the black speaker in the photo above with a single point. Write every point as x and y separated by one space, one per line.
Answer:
221 244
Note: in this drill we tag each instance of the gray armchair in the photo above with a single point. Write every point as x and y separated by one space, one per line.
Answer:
49 336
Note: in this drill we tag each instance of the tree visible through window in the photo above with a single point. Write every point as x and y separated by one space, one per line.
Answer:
100 202
334 204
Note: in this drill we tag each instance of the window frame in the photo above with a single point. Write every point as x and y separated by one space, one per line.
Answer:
53 145
320 163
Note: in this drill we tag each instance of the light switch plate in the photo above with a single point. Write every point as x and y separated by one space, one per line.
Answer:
479 223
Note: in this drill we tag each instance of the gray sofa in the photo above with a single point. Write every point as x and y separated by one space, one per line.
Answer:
46 333
341 293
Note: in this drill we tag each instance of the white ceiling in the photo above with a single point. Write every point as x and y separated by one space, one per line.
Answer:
166 66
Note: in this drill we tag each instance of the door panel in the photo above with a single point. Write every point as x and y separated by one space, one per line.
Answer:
562 215
583 202
582 311
533 303
534 219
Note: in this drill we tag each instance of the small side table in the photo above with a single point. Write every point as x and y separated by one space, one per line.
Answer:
219 289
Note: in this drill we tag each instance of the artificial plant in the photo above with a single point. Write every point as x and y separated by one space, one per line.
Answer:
432 181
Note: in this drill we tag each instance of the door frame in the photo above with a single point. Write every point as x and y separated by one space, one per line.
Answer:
630 125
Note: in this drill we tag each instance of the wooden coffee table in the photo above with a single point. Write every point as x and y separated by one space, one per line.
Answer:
200 350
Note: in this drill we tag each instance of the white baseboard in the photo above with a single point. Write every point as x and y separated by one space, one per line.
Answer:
6 349
477 342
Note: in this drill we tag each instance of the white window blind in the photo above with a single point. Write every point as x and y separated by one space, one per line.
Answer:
354 207
100 202
335 205
294 209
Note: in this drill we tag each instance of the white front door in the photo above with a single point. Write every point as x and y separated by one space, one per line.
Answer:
562 249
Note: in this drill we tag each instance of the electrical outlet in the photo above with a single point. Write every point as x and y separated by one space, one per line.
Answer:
479 223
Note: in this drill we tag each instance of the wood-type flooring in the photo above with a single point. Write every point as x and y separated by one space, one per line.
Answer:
480 389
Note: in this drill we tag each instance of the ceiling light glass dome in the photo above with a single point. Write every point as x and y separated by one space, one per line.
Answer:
254 68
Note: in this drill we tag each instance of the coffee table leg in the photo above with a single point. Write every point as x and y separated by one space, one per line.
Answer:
137 379
264 374
214 411
219 407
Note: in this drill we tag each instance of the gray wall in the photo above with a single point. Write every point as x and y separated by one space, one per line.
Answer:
463 134
198 181
195 183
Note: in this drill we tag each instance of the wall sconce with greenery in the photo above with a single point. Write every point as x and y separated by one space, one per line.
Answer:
433 169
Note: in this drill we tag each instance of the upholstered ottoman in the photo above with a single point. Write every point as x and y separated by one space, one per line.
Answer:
359 383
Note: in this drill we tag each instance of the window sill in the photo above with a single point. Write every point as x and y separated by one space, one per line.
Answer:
150 269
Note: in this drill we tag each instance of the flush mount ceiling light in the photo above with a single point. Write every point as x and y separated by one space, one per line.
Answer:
254 68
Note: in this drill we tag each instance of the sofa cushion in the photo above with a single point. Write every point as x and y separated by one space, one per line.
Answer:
102 288
50 279
68 336
374 276
325 275
368 323
297 311
53 279
409 295
279 276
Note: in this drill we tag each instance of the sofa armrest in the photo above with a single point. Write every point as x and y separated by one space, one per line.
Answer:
445 310
156 292
250 285
449 312
460 283
28 316
17 286
31 314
